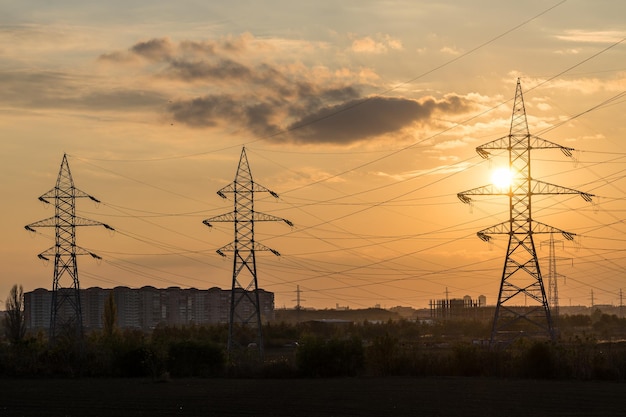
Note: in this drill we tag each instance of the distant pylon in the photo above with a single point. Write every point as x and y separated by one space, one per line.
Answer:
245 309
298 299
553 276
522 308
65 312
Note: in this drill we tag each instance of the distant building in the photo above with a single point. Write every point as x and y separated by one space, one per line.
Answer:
459 308
482 301
146 307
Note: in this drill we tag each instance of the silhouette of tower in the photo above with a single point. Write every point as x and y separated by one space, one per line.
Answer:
553 276
65 313
298 301
245 309
522 307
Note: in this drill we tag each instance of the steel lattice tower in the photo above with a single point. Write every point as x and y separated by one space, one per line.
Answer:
245 309
553 288
65 312
522 308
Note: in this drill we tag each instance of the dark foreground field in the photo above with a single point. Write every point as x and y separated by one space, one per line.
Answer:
311 397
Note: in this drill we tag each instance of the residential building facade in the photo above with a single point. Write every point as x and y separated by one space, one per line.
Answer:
147 307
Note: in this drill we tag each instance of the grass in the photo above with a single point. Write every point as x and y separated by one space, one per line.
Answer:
482 397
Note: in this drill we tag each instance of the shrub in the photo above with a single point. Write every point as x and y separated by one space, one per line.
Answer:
332 358
197 359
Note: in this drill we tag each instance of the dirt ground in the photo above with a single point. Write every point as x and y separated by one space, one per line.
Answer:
311 397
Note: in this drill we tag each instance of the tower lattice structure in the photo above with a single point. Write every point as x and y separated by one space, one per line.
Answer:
522 307
65 309
553 276
245 308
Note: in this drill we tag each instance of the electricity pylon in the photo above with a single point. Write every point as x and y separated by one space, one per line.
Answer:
522 308
65 309
245 309
553 276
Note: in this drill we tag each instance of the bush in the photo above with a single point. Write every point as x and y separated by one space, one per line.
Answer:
195 359
331 358
538 361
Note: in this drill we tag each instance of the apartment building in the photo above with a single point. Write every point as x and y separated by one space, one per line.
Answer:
146 307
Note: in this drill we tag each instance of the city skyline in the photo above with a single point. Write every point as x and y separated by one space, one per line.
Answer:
362 116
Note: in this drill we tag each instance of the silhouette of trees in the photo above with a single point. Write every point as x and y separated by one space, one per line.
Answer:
319 349
109 317
14 322
330 358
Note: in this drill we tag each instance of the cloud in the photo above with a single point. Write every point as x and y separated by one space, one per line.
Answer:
202 70
606 36
371 46
438 170
255 116
165 50
570 51
351 121
450 50
154 49
358 120
55 89
276 101
450 144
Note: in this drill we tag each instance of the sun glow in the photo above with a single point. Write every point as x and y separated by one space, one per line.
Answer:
502 177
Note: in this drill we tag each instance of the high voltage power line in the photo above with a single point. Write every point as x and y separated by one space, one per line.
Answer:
356 168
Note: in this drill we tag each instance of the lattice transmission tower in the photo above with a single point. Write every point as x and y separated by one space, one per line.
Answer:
522 308
553 277
245 306
65 308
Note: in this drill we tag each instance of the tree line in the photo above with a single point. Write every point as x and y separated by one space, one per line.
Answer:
589 347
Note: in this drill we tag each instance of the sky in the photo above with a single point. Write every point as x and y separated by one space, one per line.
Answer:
363 116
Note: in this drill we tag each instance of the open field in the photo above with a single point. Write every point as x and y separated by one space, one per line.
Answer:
311 397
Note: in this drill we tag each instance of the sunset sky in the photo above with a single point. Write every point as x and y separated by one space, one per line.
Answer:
363 116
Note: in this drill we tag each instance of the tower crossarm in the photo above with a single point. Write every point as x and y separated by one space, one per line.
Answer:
66 192
226 217
540 187
234 187
49 222
539 227
498 229
262 217
226 248
539 143
504 228
81 221
76 250
505 143
497 144
258 217
256 246
488 189
261 247
55 221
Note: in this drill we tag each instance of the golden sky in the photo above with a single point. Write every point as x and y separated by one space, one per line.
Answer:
363 116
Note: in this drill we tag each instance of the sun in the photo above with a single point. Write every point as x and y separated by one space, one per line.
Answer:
502 177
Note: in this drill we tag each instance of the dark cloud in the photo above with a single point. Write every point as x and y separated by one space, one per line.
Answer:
346 123
116 56
119 100
266 99
215 110
164 50
361 119
198 48
154 49
202 70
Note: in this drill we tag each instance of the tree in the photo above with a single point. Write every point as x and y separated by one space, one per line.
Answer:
14 321
110 317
